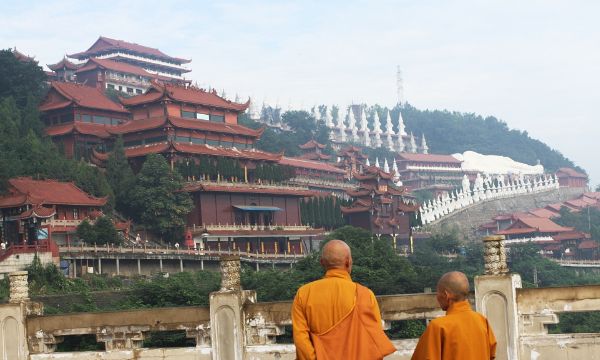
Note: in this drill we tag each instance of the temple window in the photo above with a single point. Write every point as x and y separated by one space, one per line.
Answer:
138 91
75 213
188 114
217 118
182 139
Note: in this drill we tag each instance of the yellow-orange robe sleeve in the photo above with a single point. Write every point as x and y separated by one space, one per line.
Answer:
304 347
429 346
375 307
492 340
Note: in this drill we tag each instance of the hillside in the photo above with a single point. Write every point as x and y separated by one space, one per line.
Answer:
446 133
451 132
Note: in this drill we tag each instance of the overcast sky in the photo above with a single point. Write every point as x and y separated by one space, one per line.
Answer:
533 64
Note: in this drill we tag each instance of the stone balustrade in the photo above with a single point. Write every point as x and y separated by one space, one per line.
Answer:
434 210
236 326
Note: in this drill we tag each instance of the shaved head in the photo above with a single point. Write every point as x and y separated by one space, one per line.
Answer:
336 255
455 283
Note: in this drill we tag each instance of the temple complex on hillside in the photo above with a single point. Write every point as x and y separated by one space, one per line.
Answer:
380 206
36 210
249 217
152 60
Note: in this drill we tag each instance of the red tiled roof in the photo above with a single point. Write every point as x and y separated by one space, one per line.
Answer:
94 63
408 207
138 125
226 152
83 96
593 195
542 224
516 231
489 225
22 57
104 44
562 172
215 127
310 164
544 213
576 203
571 235
554 207
47 192
311 144
198 149
588 244
248 189
189 95
38 212
98 130
429 158
503 217
588 200
156 122
64 63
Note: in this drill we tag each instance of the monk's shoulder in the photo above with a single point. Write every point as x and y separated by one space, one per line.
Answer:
306 288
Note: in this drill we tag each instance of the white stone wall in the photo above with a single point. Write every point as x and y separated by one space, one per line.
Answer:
18 262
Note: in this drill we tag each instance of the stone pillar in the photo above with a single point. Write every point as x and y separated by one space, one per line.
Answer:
19 288
226 312
13 340
496 298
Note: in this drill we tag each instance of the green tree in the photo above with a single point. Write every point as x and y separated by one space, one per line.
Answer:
86 232
120 176
105 231
20 79
158 200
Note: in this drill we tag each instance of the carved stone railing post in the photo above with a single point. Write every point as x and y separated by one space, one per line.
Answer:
19 288
495 255
227 312
118 339
496 298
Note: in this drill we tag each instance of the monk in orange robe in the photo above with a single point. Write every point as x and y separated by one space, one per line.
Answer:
334 318
462 334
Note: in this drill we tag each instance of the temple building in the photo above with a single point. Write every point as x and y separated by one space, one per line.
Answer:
380 206
571 178
63 70
118 76
152 60
35 210
429 171
249 218
184 124
78 117
312 150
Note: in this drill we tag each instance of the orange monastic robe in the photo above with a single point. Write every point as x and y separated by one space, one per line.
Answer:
462 334
325 309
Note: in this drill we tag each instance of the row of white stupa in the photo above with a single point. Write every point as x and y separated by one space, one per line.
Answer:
347 129
484 189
